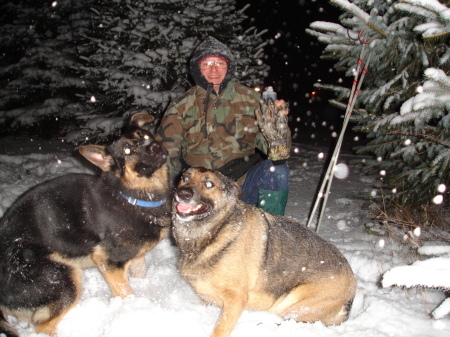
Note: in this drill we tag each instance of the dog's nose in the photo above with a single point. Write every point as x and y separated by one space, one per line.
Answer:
185 193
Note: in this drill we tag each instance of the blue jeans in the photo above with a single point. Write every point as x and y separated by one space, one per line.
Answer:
264 176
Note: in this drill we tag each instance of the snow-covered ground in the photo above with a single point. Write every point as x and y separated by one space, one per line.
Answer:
165 305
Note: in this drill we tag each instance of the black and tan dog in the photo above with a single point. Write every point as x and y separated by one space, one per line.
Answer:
79 221
238 257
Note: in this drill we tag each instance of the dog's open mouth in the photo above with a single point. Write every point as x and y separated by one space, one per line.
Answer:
186 209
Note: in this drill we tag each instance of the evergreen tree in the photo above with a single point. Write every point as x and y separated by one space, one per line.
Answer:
409 132
40 64
93 69
141 62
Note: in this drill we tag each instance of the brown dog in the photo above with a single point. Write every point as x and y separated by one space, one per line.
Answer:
238 257
78 221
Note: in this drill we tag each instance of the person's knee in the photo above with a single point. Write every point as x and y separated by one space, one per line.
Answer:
277 177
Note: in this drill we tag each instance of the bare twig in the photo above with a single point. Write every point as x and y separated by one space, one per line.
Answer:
401 223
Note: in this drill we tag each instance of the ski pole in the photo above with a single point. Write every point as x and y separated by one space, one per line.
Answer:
338 148
328 177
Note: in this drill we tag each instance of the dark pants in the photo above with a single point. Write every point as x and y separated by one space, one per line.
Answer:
264 176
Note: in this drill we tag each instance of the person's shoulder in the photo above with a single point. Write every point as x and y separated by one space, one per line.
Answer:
246 91
183 97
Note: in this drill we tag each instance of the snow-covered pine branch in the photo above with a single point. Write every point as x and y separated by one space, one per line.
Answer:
329 27
365 18
434 99
437 14
432 273
352 8
413 9
111 59
390 110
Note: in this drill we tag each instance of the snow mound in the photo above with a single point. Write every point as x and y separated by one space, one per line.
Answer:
432 273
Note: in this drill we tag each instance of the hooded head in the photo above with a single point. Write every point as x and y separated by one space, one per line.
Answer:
211 47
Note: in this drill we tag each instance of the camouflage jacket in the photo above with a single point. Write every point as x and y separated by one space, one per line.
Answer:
227 131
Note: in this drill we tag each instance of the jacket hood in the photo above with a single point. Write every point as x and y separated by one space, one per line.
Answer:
211 47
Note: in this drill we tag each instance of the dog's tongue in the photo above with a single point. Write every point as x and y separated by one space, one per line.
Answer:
182 207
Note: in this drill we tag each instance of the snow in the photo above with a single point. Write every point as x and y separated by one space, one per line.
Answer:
327 26
358 12
434 4
434 250
442 310
432 9
433 273
165 305
430 94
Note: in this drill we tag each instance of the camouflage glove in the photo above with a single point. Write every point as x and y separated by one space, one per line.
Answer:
274 127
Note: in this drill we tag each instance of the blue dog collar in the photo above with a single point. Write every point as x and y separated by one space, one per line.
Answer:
142 203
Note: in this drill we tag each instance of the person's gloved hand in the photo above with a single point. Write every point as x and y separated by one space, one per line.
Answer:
273 122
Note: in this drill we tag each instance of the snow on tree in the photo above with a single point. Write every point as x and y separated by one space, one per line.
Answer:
128 56
433 272
405 100
41 43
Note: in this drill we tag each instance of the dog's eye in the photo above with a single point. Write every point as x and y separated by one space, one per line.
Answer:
209 184
128 148
185 179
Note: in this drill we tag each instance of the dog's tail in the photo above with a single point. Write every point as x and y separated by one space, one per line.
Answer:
6 329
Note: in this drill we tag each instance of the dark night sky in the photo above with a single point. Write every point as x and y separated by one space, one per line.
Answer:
294 55
290 49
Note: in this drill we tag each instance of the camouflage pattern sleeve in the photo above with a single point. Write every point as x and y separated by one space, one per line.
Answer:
170 134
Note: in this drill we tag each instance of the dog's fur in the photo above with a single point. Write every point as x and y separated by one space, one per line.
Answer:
238 257
78 221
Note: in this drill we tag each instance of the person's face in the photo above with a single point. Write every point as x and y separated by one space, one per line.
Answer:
214 69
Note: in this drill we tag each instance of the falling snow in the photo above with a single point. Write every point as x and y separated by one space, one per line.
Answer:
163 297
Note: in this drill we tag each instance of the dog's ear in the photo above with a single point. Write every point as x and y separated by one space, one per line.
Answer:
238 190
142 120
97 155
231 186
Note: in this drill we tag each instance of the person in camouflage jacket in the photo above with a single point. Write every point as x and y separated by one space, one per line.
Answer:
214 125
